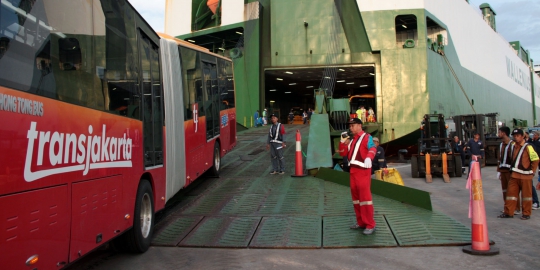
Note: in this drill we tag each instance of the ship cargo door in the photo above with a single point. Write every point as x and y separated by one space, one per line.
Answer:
293 88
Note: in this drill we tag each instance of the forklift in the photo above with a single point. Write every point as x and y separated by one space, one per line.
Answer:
435 151
487 126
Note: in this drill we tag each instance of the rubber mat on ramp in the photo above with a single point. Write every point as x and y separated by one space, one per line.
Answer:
173 232
288 232
426 228
222 232
337 233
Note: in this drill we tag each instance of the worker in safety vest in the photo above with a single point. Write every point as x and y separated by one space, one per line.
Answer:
276 142
505 161
361 152
524 164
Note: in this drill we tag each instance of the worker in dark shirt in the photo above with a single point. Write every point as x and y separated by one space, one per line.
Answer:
379 162
475 147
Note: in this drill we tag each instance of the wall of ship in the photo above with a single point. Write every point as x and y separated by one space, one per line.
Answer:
410 82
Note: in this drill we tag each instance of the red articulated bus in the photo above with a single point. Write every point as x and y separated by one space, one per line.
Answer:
101 122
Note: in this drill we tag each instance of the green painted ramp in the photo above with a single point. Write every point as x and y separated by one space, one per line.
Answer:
319 153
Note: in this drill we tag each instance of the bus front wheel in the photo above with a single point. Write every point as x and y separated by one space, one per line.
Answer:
139 237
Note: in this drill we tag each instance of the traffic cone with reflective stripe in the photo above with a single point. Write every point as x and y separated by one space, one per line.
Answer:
477 213
299 168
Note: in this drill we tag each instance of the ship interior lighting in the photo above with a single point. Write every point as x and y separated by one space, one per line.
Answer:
222 49
240 33
272 101
354 80
404 26
371 74
191 40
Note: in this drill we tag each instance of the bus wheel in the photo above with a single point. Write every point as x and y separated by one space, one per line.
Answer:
139 237
214 171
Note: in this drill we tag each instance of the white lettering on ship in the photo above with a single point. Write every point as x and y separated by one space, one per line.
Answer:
80 152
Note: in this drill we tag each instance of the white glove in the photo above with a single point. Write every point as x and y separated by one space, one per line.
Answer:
498 175
367 163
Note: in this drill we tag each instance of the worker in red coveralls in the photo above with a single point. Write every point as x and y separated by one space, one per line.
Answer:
361 152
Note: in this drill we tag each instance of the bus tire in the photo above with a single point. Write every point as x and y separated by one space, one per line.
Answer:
214 171
138 238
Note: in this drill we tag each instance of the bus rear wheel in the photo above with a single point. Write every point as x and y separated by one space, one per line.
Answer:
214 171
139 237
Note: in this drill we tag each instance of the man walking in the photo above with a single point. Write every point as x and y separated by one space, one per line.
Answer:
360 153
291 117
457 147
265 117
524 164
276 143
475 147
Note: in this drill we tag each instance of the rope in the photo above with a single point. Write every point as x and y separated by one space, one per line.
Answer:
329 73
459 83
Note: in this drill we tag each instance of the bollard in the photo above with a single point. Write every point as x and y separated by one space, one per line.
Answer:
479 232
299 168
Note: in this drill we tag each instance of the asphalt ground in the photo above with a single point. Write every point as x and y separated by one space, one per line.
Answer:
516 239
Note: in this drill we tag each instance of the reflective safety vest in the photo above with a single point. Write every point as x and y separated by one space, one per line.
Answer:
518 165
353 160
275 134
505 159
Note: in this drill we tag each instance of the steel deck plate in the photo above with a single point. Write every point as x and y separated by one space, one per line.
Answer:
288 232
337 234
172 233
222 232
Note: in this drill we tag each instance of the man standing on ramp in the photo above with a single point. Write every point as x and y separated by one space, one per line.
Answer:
360 153
276 143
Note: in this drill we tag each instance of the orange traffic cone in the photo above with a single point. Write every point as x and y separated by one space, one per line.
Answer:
479 238
299 168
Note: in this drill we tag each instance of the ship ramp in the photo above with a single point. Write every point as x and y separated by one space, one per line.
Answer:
246 207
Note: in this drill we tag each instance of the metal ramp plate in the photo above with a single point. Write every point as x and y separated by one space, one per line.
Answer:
172 233
222 232
336 233
425 228
288 232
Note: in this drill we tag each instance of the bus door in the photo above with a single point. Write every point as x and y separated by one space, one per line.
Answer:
212 100
152 103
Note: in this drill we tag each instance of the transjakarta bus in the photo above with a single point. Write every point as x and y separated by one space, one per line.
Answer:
101 122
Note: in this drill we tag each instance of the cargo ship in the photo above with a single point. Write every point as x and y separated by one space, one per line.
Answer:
403 59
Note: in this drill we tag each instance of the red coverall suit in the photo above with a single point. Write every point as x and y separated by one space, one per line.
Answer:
359 149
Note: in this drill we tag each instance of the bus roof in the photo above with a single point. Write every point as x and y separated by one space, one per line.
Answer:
190 45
